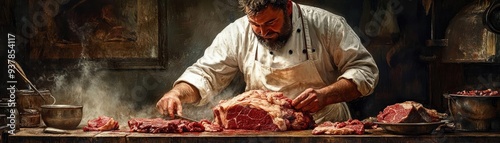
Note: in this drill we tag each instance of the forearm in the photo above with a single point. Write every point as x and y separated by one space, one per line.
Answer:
186 92
343 90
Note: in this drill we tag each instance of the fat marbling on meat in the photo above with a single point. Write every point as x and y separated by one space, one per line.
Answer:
261 110
408 112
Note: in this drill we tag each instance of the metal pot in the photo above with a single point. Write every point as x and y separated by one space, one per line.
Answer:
475 113
62 116
29 99
29 106
469 40
30 118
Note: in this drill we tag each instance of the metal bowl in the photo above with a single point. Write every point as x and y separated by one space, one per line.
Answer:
474 113
409 128
62 116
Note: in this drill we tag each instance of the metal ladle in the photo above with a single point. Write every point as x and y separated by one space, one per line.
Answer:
18 68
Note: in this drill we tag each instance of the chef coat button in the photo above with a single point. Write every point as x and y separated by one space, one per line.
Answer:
290 52
271 52
298 30
304 51
313 50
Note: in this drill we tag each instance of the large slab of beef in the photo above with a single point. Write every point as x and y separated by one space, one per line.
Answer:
340 128
408 112
101 123
261 110
159 125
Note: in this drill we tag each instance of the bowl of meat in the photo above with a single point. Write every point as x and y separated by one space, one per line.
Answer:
475 110
409 118
62 116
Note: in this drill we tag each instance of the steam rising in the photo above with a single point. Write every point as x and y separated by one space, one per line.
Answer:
98 95
103 92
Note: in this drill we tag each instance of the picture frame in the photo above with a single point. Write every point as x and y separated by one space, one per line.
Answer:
125 34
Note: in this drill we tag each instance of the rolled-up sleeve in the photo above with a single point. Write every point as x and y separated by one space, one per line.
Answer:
215 69
352 58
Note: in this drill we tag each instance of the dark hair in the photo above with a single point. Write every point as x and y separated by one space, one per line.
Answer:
251 7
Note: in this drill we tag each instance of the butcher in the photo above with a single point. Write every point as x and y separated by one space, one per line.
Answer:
309 54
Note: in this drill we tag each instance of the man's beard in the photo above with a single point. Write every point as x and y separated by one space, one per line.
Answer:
280 41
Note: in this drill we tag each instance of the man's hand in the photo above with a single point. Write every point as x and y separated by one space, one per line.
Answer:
310 101
170 103
313 100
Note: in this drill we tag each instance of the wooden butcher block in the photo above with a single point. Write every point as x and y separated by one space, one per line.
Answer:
36 135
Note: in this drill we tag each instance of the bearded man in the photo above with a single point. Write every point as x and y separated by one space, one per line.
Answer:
309 54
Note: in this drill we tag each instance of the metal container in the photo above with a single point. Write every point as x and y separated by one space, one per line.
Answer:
30 118
469 40
410 128
30 104
62 116
474 113
29 99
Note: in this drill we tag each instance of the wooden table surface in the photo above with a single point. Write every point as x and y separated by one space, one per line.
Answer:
36 135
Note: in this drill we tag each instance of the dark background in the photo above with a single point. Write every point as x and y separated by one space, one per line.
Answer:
192 25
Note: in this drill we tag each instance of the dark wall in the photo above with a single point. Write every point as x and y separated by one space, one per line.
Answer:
124 93
394 31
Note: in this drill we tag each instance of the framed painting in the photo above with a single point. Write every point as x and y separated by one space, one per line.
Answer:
121 34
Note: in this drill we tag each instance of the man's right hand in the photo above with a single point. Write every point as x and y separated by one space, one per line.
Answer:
170 104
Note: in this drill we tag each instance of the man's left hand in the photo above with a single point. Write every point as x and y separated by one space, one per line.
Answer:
310 100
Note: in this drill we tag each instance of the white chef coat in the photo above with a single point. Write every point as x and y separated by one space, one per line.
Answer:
337 51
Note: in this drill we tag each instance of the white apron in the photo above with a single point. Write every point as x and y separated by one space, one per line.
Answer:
293 80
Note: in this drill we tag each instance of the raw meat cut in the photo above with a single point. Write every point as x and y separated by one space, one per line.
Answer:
101 123
408 112
211 127
348 127
159 125
261 110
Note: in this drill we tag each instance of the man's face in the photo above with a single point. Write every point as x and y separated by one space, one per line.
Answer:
272 26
